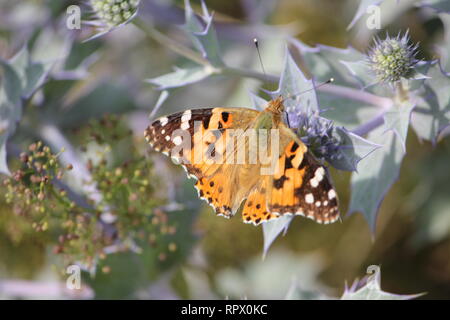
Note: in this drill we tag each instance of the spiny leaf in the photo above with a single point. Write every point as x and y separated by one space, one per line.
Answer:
202 33
293 82
31 74
376 175
345 111
369 288
181 77
361 71
258 103
325 62
352 149
362 9
432 114
272 229
397 119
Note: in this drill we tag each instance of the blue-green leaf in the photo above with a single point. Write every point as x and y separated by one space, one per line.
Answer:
326 62
345 111
375 175
202 33
272 229
10 109
397 119
370 289
181 77
432 114
361 71
258 103
31 74
293 82
352 149
362 9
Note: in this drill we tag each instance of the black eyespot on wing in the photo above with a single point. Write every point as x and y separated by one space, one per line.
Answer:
294 147
278 183
225 116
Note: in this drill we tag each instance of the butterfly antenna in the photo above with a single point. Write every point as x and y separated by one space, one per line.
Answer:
291 96
255 41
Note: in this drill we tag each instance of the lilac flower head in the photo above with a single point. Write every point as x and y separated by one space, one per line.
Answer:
316 132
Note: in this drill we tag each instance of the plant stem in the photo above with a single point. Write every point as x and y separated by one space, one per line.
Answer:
341 91
358 95
400 92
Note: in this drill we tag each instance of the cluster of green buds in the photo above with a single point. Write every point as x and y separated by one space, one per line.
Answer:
113 13
31 188
37 195
127 182
392 59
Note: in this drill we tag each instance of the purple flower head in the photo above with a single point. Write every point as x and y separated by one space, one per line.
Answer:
316 132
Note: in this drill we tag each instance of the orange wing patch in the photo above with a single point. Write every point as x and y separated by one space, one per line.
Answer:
301 186
287 178
255 208
216 191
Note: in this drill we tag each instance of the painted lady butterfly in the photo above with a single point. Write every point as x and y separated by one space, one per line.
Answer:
299 184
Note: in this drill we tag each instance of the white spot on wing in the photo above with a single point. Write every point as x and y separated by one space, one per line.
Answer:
331 194
186 116
309 198
185 125
320 172
163 121
177 140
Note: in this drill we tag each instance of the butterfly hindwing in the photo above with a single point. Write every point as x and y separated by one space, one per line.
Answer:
301 186
255 209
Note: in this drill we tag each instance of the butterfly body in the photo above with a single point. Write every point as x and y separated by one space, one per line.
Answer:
286 180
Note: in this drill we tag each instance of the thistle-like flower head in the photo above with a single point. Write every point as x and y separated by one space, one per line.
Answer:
112 13
392 59
317 133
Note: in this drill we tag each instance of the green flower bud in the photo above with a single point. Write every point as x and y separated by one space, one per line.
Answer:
392 59
113 13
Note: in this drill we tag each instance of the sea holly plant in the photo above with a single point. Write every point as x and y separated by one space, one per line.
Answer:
359 123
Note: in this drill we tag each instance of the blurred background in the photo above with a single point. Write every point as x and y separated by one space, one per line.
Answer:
204 256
